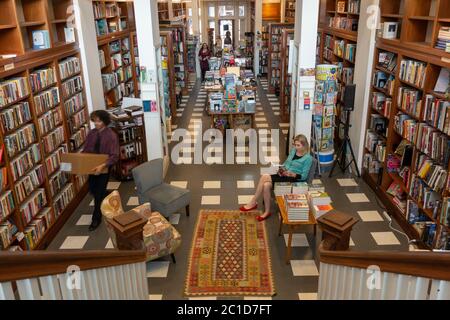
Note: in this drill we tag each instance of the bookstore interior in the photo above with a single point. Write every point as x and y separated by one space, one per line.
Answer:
321 129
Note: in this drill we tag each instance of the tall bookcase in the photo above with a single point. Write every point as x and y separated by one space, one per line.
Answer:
406 158
338 32
249 49
179 48
168 74
289 11
117 50
264 51
286 79
275 45
179 9
43 114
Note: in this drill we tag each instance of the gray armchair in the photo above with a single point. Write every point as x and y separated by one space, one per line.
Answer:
163 197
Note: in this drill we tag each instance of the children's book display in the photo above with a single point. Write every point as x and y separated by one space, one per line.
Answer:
325 100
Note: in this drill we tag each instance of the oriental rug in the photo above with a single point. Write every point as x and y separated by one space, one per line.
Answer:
229 256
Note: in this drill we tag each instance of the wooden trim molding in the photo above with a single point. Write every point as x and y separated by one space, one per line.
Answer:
432 265
32 264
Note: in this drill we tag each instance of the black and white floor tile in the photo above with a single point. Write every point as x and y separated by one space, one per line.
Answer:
228 186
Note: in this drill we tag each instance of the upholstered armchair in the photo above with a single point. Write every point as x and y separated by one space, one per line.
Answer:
160 237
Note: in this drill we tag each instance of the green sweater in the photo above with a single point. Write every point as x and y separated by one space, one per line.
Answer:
299 166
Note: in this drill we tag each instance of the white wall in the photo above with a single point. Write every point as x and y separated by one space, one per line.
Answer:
363 77
87 38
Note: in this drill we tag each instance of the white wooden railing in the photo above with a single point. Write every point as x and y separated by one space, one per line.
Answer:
338 282
109 277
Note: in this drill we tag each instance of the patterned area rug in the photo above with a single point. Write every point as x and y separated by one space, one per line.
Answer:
229 256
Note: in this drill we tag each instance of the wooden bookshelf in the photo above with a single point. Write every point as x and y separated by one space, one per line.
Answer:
289 11
168 74
275 49
59 124
163 10
418 27
264 52
249 49
285 85
180 63
117 46
179 9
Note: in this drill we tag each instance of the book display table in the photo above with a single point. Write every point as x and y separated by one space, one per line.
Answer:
292 225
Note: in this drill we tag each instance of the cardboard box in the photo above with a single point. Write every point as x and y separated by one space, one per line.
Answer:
82 163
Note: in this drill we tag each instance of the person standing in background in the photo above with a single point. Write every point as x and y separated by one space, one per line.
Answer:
101 140
228 40
204 56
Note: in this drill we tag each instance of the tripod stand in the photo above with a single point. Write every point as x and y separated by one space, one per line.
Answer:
341 156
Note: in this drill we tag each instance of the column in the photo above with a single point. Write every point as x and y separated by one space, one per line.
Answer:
305 40
169 4
87 39
283 10
258 29
147 30
196 31
368 21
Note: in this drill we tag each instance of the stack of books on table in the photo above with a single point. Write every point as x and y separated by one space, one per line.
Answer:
316 187
300 188
320 203
282 188
297 207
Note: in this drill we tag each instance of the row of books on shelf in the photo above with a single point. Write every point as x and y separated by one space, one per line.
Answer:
437 113
433 174
57 181
42 78
25 161
74 104
413 72
387 60
344 23
50 120
12 90
110 80
381 103
46 100
53 140
28 183
130 150
8 231
78 138
35 203
69 67
376 145
378 124
37 228
7 204
15 116
72 86
410 101
53 161
384 82
20 139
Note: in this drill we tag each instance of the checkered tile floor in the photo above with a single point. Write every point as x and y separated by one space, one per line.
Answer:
228 186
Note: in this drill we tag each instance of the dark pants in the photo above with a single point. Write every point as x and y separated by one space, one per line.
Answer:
97 187
204 67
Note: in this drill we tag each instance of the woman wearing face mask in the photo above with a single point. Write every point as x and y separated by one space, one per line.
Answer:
101 140
295 168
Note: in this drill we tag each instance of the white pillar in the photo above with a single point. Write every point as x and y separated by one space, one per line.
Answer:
87 39
368 19
196 31
283 10
305 39
170 7
258 29
147 30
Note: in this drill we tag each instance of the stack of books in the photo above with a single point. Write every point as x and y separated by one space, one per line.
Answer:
300 188
297 207
317 198
316 187
282 188
443 40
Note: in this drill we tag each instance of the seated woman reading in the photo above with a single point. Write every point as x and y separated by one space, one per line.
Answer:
295 168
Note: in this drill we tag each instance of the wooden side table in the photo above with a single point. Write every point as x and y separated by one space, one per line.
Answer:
292 225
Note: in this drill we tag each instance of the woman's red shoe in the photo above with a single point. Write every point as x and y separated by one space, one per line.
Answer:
261 218
244 209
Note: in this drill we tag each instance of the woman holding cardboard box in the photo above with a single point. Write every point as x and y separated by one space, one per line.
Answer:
101 140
